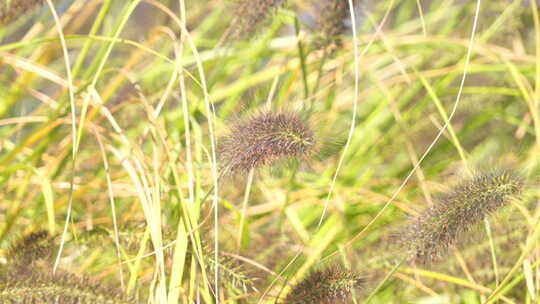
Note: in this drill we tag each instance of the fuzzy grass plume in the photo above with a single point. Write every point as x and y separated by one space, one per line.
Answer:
327 286
330 26
12 9
249 17
58 289
23 281
265 138
34 247
442 225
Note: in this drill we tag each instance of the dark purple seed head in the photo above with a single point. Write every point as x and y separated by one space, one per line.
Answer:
330 22
61 288
331 285
442 225
265 138
31 248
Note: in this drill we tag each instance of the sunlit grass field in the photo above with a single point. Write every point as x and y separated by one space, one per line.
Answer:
114 116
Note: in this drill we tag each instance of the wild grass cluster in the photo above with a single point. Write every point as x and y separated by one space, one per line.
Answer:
269 151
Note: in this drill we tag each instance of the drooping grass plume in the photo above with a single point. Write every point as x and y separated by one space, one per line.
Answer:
12 9
265 138
330 285
249 17
330 22
37 287
442 225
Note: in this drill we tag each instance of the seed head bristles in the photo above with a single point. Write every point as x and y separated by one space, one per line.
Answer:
249 17
265 138
63 288
12 9
330 22
29 249
442 225
327 286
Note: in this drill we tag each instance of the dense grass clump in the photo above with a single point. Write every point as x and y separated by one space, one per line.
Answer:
12 9
111 114
330 285
249 17
265 138
442 225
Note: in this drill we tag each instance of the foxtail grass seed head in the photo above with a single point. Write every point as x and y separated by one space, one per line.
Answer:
265 138
249 17
12 9
442 225
30 248
330 22
331 285
63 288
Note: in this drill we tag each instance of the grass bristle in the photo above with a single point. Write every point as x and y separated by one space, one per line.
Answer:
265 138
442 225
331 285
